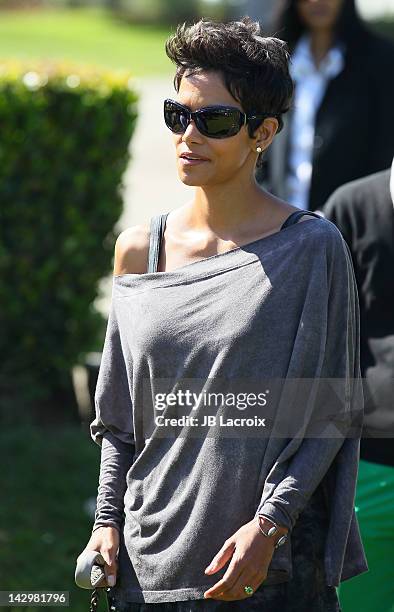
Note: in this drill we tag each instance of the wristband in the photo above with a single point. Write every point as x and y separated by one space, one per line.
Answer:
272 531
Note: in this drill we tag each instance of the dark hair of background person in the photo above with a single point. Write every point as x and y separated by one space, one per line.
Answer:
349 28
255 68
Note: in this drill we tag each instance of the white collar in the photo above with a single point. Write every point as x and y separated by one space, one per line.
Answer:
302 62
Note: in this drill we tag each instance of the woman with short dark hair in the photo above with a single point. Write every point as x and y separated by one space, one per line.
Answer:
229 381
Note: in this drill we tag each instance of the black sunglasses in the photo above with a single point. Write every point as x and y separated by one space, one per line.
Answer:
212 121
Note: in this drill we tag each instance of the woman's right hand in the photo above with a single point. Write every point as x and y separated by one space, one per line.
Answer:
105 540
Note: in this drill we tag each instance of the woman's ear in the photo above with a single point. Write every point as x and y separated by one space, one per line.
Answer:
265 133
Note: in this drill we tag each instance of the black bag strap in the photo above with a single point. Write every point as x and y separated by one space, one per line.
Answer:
95 596
94 599
110 602
157 226
297 214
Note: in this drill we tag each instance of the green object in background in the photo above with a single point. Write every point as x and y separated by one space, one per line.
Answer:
373 591
65 132
46 516
86 36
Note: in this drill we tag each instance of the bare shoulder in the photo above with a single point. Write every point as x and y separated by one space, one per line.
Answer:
288 209
131 250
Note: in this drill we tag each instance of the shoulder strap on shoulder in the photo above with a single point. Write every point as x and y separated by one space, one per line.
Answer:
157 225
296 215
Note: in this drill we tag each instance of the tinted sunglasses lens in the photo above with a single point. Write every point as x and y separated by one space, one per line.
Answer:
176 119
218 123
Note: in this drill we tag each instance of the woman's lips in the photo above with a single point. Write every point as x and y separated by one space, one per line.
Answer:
186 161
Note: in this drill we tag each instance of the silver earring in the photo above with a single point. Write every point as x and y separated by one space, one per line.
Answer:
259 150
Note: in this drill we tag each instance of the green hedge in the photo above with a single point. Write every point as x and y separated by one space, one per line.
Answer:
64 136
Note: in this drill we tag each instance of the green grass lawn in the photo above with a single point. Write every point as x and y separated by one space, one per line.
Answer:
46 477
86 36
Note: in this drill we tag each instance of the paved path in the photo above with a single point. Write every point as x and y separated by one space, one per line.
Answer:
151 181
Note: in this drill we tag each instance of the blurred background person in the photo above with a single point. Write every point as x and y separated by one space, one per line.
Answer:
363 210
340 127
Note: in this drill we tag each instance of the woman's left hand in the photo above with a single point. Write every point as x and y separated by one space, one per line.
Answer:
250 553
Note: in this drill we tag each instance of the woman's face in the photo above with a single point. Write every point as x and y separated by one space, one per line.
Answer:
225 158
319 14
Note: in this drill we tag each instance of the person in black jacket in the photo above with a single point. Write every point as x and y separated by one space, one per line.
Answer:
341 125
363 211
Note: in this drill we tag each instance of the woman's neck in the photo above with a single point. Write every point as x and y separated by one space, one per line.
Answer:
224 208
321 42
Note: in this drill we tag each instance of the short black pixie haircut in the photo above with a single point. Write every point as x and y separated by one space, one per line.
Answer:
255 68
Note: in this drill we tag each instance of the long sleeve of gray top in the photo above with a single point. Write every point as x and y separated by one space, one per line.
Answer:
306 459
116 460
